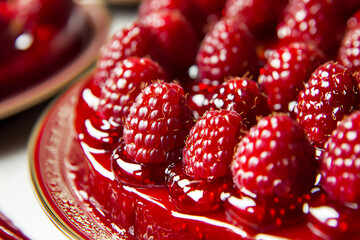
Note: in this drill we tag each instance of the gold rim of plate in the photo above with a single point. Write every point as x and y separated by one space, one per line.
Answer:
51 212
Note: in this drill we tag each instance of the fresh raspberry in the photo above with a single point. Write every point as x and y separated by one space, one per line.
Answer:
243 96
287 69
330 94
349 52
126 42
227 50
127 80
275 159
157 124
315 20
261 16
173 42
210 145
340 165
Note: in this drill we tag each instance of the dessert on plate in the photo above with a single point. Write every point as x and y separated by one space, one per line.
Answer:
37 39
224 120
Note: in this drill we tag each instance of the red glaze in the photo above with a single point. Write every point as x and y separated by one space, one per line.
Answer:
330 219
145 211
39 44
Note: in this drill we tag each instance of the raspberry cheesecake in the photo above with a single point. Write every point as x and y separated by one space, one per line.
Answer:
199 124
37 38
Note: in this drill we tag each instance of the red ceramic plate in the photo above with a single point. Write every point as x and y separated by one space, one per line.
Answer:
99 19
50 170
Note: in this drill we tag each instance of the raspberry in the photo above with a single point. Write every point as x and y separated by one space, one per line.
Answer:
172 39
274 169
210 145
127 80
349 52
275 159
243 96
261 16
126 42
157 124
330 94
227 50
287 69
315 20
340 165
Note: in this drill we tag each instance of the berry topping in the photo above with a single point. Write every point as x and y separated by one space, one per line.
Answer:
227 50
261 16
275 159
127 80
349 52
287 69
210 146
157 124
340 165
173 41
330 94
243 96
315 20
126 42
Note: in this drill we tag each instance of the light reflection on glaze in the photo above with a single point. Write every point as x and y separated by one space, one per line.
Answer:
130 167
90 98
98 167
237 230
325 214
104 136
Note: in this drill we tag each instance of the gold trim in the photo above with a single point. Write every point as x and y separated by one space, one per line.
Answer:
32 143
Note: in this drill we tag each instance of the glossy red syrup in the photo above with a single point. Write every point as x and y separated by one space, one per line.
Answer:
137 209
29 57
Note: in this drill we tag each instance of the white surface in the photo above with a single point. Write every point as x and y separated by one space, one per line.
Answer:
17 198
